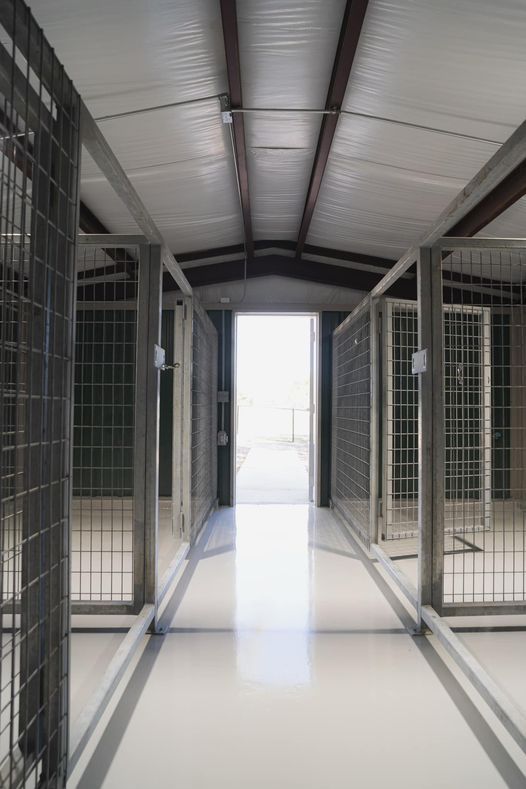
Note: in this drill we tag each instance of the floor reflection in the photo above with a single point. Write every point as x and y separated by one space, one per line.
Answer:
273 605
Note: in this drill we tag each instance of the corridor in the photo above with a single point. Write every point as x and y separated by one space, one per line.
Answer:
287 664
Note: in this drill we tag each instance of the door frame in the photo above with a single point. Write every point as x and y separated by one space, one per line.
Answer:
314 416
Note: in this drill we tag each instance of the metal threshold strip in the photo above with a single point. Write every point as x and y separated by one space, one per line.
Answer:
502 705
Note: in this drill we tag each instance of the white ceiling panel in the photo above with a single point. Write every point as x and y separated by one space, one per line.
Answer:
454 65
194 203
287 50
125 55
446 66
166 136
385 184
443 80
279 163
181 162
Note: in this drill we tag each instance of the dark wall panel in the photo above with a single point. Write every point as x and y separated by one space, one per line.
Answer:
329 321
224 324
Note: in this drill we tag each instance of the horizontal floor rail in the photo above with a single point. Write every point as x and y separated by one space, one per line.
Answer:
502 705
90 716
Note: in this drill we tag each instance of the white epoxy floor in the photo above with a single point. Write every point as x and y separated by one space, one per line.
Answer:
286 666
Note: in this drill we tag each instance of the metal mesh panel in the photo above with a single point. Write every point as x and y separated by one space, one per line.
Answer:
351 423
463 348
204 419
38 197
484 338
102 538
400 481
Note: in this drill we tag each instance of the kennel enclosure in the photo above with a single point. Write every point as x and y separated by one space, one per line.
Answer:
431 436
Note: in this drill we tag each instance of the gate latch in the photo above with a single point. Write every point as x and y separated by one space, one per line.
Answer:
159 359
419 362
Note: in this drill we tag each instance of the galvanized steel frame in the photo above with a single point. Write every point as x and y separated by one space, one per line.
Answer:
182 418
205 325
432 420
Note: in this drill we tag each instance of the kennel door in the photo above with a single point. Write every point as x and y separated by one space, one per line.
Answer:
467 381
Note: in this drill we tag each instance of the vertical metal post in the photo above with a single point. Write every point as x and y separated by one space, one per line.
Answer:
151 485
186 438
177 423
139 464
430 433
487 440
374 432
146 474
335 350
312 406
387 411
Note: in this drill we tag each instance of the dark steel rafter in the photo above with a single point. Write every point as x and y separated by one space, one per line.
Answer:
505 194
230 37
309 270
349 36
336 276
290 246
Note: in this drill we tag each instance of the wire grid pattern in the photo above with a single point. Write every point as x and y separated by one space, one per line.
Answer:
485 424
463 348
204 419
400 443
38 199
351 423
104 427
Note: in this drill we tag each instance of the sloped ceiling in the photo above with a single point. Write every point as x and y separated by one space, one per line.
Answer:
435 88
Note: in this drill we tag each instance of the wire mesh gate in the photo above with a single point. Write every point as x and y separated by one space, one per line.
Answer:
123 535
104 538
195 404
353 421
467 389
204 419
447 468
39 128
483 462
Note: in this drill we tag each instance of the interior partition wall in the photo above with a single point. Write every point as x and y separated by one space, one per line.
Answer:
482 463
39 154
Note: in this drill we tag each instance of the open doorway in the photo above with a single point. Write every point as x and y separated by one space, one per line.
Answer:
275 407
